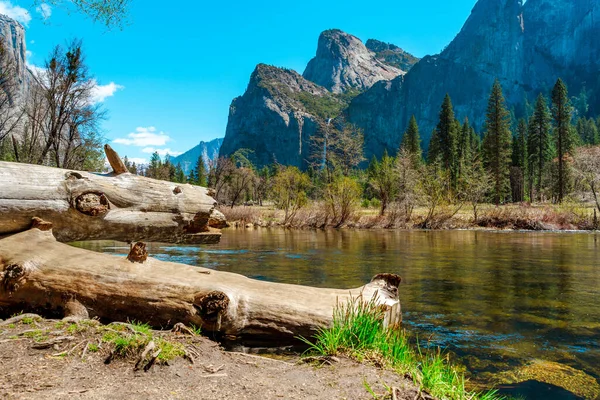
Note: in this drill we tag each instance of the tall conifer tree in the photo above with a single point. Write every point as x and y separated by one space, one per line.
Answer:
447 134
496 144
561 113
411 141
539 145
434 153
519 156
200 172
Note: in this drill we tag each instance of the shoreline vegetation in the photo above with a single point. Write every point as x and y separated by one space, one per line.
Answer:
358 332
518 217
538 172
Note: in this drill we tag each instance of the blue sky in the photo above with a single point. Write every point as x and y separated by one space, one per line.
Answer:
168 77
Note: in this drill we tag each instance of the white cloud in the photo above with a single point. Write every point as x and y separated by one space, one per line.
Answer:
137 161
161 152
101 92
45 10
39 72
15 12
143 137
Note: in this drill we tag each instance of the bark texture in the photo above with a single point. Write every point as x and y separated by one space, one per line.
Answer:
39 274
86 206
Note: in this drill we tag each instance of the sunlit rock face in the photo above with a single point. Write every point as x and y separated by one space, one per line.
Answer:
343 62
526 46
12 34
271 120
281 110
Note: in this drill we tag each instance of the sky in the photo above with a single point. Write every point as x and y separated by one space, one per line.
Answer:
167 78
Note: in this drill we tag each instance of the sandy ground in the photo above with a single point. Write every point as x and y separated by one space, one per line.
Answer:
29 373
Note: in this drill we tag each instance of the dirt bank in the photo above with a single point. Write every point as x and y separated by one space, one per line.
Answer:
75 368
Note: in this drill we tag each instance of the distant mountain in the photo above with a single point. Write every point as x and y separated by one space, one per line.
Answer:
276 117
208 150
343 62
526 45
281 110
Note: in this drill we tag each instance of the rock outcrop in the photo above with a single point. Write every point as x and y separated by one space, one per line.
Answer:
276 117
343 62
391 54
526 46
12 35
281 110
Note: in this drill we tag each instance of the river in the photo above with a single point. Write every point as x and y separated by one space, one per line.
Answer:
494 299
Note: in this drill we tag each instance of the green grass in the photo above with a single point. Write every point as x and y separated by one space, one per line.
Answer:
130 342
358 332
196 329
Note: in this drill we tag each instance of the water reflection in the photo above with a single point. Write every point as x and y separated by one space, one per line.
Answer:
495 299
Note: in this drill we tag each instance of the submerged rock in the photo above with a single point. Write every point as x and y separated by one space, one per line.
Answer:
550 373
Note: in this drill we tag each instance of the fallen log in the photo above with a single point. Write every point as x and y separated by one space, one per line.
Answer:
39 274
118 206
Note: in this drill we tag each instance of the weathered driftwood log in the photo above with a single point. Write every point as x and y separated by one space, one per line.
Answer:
39 274
86 206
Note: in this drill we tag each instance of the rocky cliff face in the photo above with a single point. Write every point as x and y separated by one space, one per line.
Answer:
392 55
343 62
12 35
526 46
274 118
281 110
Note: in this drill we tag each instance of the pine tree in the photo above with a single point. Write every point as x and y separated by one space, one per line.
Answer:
475 142
200 172
539 145
464 150
496 144
447 135
155 166
587 131
411 142
179 174
519 160
561 113
434 153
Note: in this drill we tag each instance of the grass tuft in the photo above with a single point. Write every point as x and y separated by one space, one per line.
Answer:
357 331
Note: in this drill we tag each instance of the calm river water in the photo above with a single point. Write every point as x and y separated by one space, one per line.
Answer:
494 299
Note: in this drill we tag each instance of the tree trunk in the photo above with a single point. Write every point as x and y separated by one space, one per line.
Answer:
39 274
87 206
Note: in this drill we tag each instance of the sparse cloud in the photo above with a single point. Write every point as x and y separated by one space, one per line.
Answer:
101 92
45 10
144 137
17 13
137 161
39 72
161 152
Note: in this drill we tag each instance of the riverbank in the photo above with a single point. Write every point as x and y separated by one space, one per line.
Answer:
58 359
68 360
536 217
